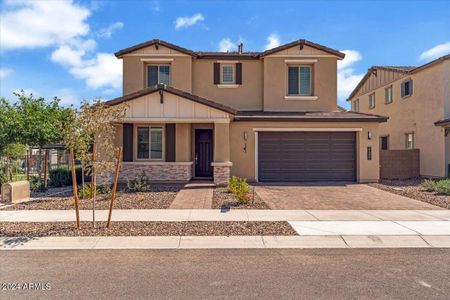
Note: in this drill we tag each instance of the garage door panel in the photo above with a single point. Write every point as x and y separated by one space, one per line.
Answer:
306 156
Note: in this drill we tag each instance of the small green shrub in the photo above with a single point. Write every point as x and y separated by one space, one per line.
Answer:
139 184
36 185
443 187
85 192
240 188
62 176
429 185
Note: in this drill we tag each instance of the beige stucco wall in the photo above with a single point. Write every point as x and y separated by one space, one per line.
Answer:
221 142
244 161
248 96
416 114
324 83
183 142
134 70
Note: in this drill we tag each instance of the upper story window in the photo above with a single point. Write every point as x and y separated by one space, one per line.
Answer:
355 107
158 74
409 141
407 88
299 80
372 100
149 142
388 95
227 74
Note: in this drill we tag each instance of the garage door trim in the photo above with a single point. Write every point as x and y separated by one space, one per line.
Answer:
312 129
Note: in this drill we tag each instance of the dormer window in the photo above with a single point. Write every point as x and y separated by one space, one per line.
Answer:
158 74
227 74
299 81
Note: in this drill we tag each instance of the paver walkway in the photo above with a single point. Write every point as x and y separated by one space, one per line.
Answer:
194 195
334 196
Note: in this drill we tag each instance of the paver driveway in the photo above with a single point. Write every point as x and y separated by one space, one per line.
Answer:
334 196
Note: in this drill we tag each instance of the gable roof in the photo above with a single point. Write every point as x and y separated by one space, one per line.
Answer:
407 70
174 91
228 55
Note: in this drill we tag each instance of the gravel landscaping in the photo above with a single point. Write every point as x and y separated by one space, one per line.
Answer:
34 229
222 197
159 197
411 188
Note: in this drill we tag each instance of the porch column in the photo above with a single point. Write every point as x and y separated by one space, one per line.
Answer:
222 163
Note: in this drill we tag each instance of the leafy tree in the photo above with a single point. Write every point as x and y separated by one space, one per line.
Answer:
8 124
13 152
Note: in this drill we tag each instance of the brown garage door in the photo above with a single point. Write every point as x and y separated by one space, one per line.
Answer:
306 156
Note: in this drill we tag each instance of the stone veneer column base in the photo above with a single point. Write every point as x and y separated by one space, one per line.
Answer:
221 172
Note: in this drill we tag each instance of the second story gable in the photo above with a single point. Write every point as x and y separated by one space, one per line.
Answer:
299 76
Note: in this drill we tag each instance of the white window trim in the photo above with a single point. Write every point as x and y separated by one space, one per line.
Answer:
233 74
404 82
406 140
163 141
298 96
227 86
392 94
158 65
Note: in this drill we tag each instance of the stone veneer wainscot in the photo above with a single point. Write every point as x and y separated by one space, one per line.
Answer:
157 171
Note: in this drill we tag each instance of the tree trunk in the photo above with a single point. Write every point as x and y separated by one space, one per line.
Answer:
82 180
39 164
28 165
116 179
74 187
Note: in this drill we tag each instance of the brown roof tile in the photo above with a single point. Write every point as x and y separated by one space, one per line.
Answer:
321 116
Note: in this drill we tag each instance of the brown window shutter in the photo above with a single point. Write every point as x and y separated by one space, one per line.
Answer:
170 142
216 73
239 73
127 142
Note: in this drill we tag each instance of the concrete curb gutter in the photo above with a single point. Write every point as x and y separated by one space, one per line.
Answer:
224 242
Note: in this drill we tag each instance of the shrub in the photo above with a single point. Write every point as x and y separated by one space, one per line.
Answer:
3 179
85 192
139 184
240 188
429 185
443 187
36 185
62 176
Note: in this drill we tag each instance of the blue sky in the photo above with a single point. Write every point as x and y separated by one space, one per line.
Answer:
65 48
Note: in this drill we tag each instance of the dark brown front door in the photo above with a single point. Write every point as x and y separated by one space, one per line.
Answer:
203 153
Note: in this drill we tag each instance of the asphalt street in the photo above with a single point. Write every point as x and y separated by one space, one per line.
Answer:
237 274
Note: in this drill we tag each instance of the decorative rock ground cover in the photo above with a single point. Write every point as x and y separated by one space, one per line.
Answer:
411 188
159 197
223 198
33 229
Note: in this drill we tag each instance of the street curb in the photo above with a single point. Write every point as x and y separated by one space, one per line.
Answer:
224 242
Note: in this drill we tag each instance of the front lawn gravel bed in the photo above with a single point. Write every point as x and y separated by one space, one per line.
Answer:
36 229
411 188
222 197
159 197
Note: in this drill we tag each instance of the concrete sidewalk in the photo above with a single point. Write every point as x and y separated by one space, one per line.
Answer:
223 242
232 215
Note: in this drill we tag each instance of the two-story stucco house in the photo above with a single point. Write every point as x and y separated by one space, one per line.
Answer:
417 102
265 116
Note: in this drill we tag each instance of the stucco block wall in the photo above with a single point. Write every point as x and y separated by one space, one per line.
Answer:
415 114
243 152
399 164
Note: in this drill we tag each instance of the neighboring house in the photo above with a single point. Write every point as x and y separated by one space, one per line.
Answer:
417 102
265 116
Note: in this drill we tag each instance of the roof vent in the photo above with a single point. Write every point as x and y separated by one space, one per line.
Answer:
240 48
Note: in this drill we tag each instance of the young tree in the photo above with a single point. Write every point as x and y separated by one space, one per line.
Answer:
92 127
13 152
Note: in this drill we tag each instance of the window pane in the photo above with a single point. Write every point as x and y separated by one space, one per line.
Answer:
164 75
227 74
292 81
305 81
142 145
152 75
156 143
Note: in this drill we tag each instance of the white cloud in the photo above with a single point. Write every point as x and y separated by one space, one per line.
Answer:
67 56
273 41
30 24
108 31
181 22
5 72
68 97
435 52
347 79
226 45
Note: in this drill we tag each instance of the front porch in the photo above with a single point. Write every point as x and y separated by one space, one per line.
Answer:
174 136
